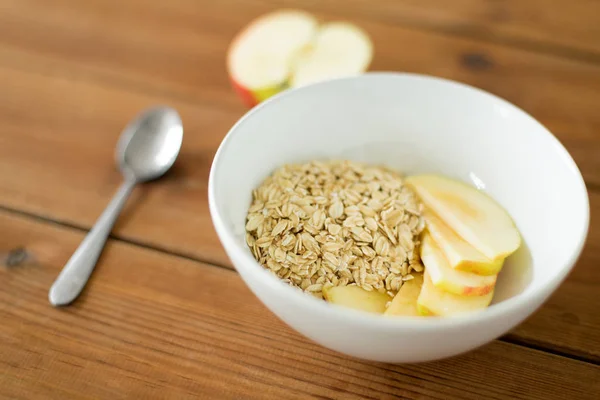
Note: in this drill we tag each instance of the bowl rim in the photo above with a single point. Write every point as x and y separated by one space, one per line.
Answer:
506 307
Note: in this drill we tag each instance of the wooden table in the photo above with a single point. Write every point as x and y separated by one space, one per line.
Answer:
164 315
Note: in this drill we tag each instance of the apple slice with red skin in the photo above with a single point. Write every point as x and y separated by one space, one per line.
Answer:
435 301
444 277
289 48
459 254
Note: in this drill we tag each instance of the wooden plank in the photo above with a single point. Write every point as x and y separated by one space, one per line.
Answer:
558 26
173 46
152 323
566 324
178 48
63 145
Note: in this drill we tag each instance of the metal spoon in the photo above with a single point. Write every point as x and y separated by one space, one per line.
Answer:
147 148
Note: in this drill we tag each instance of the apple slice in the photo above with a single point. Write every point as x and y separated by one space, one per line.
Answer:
472 214
260 57
357 298
435 301
446 278
288 48
459 254
338 50
405 301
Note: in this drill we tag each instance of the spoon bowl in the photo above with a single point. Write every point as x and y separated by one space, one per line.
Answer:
150 144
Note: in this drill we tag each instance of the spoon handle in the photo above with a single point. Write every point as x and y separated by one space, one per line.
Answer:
78 269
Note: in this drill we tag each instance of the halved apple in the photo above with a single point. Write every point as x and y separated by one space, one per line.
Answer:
405 301
451 280
472 214
459 254
435 301
357 298
288 48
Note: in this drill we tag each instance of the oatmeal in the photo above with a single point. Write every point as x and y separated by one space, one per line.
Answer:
336 223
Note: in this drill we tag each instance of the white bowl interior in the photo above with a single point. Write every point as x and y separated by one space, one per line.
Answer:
419 124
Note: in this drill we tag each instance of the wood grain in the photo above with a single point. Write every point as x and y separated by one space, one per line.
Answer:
178 49
154 325
63 145
560 26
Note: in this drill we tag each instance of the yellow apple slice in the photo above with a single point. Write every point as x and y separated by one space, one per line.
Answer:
405 301
449 279
472 214
260 58
288 48
435 301
338 50
459 254
357 298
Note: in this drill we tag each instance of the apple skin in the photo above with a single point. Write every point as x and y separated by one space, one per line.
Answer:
245 94
479 268
435 301
253 97
465 290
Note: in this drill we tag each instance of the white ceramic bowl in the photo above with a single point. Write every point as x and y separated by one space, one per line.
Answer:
415 124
